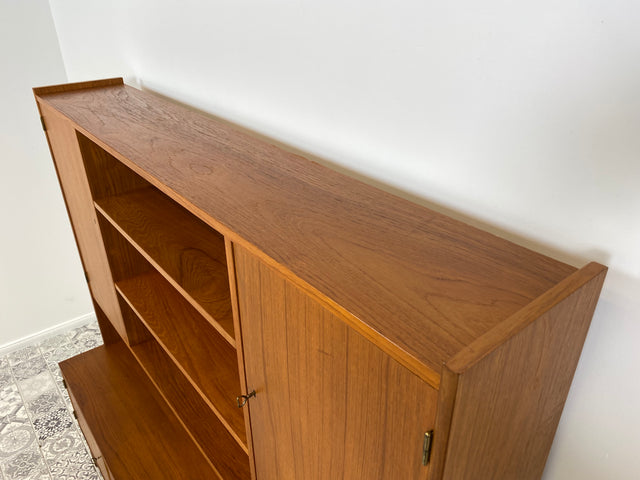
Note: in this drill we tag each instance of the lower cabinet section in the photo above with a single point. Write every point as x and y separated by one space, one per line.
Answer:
119 409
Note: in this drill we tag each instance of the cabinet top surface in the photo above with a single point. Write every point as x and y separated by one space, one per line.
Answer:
426 283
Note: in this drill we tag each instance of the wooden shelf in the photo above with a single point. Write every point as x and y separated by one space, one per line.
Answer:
186 251
121 411
207 360
229 458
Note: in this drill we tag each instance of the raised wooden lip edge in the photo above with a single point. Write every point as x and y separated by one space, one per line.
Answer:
487 343
69 87
511 326
415 365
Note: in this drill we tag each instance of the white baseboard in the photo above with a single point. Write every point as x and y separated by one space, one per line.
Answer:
46 333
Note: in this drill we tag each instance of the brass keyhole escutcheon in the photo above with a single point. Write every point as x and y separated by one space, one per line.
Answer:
243 399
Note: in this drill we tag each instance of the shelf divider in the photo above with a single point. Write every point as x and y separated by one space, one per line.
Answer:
188 253
207 361
216 442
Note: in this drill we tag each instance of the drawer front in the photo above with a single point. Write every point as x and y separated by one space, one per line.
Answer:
86 431
96 455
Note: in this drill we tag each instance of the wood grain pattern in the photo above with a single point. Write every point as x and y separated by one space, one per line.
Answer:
504 331
68 162
444 414
329 403
125 262
419 284
107 385
106 175
207 360
509 403
189 254
215 441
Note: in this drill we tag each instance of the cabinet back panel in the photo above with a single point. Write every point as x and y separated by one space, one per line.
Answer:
107 176
329 403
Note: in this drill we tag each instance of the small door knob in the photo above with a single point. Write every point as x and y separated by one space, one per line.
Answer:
243 399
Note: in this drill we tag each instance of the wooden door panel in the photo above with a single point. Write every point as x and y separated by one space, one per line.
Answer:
65 150
329 403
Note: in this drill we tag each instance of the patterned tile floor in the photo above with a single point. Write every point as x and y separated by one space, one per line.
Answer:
39 438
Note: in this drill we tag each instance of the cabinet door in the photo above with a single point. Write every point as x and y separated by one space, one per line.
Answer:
329 404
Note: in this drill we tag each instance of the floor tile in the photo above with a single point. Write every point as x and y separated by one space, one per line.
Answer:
35 386
86 337
62 352
16 415
29 368
67 442
5 378
54 342
23 354
45 404
53 423
15 437
73 465
26 465
39 438
10 399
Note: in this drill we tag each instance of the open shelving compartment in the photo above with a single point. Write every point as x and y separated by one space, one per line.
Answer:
172 282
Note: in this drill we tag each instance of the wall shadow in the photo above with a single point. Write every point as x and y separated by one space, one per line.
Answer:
576 259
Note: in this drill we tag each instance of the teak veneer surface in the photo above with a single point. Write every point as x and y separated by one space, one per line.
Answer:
190 254
329 404
207 360
508 405
216 442
416 282
108 387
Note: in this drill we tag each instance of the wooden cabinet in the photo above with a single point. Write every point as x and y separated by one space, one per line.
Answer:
366 336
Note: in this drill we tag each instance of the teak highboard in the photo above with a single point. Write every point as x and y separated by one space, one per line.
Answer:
266 317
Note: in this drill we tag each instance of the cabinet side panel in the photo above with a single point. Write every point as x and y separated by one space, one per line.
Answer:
63 143
329 404
508 405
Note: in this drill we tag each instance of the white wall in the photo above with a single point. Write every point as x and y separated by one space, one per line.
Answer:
41 280
521 117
